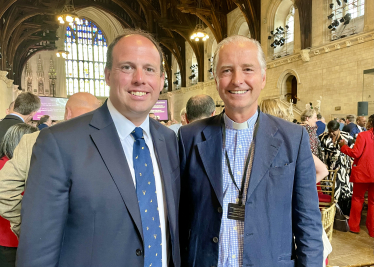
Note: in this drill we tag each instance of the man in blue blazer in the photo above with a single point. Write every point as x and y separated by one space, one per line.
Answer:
247 203
103 188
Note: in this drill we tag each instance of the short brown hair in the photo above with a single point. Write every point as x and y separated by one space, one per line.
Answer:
26 103
109 53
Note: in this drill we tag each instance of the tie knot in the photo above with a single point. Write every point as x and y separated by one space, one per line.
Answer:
137 133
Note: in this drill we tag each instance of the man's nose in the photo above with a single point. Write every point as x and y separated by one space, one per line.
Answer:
138 77
237 78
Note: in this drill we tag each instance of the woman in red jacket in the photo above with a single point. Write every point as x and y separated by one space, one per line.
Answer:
8 240
362 177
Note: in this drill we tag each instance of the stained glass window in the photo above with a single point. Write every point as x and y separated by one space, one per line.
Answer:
85 63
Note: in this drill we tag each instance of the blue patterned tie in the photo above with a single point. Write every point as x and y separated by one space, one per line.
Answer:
147 197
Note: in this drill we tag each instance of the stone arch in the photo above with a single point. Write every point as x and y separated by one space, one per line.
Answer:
238 22
110 26
282 80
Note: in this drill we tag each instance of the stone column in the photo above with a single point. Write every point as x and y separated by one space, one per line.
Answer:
369 16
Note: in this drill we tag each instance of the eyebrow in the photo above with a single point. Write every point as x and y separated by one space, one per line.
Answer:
230 66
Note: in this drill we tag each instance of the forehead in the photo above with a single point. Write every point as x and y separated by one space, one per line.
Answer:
242 50
135 44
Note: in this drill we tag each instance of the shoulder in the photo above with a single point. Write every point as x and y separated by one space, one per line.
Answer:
161 129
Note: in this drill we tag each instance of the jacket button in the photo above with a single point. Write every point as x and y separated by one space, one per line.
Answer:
138 252
215 239
220 210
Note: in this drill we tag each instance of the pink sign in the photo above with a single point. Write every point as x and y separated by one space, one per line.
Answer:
160 109
52 106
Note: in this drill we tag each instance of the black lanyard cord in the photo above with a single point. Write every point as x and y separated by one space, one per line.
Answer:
241 190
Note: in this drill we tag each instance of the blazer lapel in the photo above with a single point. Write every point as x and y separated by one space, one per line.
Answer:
109 146
210 152
165 169
266 148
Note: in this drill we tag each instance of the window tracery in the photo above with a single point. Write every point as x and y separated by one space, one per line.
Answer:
87 47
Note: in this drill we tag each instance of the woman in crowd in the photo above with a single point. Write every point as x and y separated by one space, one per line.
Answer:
308 120
362 177
336 160
44 122
8 240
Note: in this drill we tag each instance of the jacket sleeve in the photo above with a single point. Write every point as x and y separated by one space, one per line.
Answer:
357 149
44 206
12 182
307 225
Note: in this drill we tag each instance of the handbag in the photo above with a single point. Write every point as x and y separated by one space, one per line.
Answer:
340 221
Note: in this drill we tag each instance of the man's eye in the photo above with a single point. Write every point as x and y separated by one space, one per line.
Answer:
150 69
226 71
126 67
248 69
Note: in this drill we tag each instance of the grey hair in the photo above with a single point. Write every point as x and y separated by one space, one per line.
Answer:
26 103
199 107
240 38
127 32
12 138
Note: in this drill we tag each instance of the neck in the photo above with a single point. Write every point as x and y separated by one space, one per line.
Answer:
24 117
240 117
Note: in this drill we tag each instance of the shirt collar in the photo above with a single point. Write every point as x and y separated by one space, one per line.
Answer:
230 124
17 116
123 125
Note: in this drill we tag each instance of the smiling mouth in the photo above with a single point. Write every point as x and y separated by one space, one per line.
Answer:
136 93
238 92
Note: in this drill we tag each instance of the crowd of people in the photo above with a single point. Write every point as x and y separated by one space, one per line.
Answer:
112 186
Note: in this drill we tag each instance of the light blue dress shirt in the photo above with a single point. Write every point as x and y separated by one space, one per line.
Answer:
237 144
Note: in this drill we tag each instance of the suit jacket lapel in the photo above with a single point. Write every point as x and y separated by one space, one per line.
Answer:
266 148
210 152
165 169
109 146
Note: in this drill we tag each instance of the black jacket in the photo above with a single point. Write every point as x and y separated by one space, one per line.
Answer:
6 123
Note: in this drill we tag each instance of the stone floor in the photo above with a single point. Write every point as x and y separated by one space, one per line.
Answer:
352 249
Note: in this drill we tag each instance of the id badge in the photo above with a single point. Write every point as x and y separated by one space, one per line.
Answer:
236 212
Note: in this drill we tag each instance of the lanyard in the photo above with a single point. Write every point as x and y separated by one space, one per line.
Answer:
241 190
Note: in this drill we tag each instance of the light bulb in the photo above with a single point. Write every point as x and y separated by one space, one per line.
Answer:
204 39
200 34
69 18
207 36
196 39
192 36
58 54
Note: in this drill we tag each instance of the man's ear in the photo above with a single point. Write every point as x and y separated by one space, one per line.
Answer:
107 76
67 113
213 113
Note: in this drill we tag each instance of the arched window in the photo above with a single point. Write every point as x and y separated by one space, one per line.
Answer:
290 22
85 63
341 8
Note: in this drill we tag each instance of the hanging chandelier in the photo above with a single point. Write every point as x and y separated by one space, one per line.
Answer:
62 53
68 14
199 32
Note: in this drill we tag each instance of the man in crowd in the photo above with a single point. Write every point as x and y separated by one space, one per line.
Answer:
25 107
175 127
342 123
359 127
10 109
244 204
14 174
321 125
110 196
200 107
349 123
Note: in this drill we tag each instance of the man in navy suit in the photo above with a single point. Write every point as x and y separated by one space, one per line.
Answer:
103 188
359 127
247 203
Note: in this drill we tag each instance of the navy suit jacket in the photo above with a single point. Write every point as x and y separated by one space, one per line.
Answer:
355 131
281 203
80 207
348 128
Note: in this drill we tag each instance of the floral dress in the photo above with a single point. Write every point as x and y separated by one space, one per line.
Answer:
334 159
313 140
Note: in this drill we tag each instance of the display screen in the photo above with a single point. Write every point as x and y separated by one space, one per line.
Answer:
160 109
52 106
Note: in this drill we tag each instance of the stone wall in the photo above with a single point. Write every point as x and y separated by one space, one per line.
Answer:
330 71
8 92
